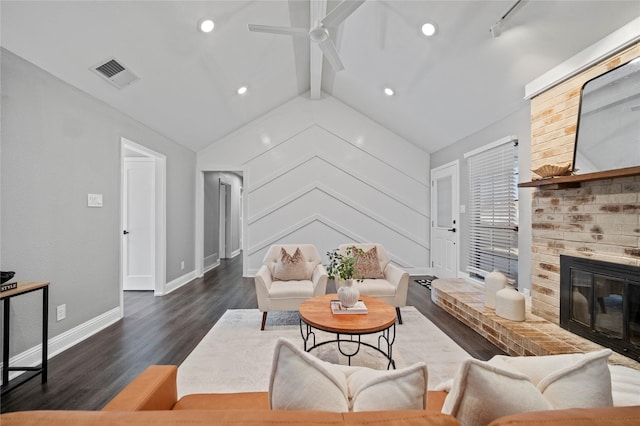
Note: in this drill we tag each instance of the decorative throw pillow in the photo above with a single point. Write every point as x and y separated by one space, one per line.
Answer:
300 381
403 389
625 385
367 264
288 268
482 393
566 380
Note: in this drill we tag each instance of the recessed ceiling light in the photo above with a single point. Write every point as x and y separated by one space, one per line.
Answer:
242 90
206 25
388 91
429 29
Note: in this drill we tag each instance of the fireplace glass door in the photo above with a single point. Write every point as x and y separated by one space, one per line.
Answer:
581 297
634 313
601 301
609 309
606 315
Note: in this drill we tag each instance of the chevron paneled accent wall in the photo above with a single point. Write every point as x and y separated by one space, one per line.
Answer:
320 172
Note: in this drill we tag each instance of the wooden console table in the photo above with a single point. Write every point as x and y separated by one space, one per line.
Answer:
23 288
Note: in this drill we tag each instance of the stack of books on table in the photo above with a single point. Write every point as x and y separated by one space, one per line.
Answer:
8 286
358 308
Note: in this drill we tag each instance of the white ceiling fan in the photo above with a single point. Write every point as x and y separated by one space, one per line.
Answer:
319 34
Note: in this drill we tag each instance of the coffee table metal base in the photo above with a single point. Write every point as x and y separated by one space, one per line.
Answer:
349 344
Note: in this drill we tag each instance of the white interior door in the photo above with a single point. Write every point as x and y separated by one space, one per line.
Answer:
138 259
444 221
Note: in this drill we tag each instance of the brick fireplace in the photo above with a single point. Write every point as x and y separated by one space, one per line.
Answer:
598 219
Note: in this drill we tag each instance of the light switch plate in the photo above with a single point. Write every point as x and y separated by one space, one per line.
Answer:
94 200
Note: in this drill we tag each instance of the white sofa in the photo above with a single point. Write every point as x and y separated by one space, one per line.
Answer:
277 295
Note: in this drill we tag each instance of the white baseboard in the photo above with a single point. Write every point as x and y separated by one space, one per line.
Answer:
210 260
210 267
177 283
235 253
60 343
419 271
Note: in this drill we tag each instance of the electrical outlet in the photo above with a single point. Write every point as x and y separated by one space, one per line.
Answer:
182 265
61 312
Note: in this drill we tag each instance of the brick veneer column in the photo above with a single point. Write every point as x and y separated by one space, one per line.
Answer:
600 220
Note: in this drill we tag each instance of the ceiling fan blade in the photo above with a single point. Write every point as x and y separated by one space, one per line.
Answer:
331 53
341 12
278 30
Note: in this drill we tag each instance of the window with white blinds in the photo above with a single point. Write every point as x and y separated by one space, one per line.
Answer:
493 209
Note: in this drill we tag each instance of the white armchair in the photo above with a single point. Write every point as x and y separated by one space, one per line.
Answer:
277 294
391 287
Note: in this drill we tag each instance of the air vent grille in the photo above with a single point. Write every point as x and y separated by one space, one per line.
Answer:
111 68
115 72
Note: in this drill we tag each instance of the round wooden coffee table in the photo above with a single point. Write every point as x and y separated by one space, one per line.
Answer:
315 313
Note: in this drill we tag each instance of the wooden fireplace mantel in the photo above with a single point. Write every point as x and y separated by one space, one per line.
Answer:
574 181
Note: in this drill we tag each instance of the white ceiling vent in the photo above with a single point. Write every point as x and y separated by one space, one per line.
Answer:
115 73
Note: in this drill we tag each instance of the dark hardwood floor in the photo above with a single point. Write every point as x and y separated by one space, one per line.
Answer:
164 330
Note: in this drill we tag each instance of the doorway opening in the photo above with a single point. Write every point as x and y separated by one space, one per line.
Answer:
142 219
221 225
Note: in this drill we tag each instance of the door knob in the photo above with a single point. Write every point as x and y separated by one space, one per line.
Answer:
125 232
450 230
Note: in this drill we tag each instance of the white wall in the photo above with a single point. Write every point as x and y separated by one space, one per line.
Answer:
320 172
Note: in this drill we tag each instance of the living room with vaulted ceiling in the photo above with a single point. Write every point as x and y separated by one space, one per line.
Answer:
344 167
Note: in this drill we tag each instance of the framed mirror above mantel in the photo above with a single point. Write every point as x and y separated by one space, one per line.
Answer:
608 130
590 121
556 124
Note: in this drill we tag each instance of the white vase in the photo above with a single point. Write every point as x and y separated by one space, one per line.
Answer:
510 304
347 294
493 282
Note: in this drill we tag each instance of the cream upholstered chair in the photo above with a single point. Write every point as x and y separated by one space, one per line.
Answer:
284 285
390 283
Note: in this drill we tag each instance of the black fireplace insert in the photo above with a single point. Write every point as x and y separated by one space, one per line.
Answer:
600 301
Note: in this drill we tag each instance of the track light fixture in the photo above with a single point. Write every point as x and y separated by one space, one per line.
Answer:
496 29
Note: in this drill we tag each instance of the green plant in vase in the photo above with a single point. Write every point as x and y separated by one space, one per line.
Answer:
342 269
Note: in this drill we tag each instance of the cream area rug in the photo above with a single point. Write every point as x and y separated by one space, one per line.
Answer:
235 356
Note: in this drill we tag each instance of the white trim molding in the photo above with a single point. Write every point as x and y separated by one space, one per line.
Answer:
211 267
177 283
60 343
614 42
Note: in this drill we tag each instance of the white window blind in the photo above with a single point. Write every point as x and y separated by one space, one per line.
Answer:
493 210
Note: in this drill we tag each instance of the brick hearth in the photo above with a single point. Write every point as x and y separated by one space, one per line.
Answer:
535 336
